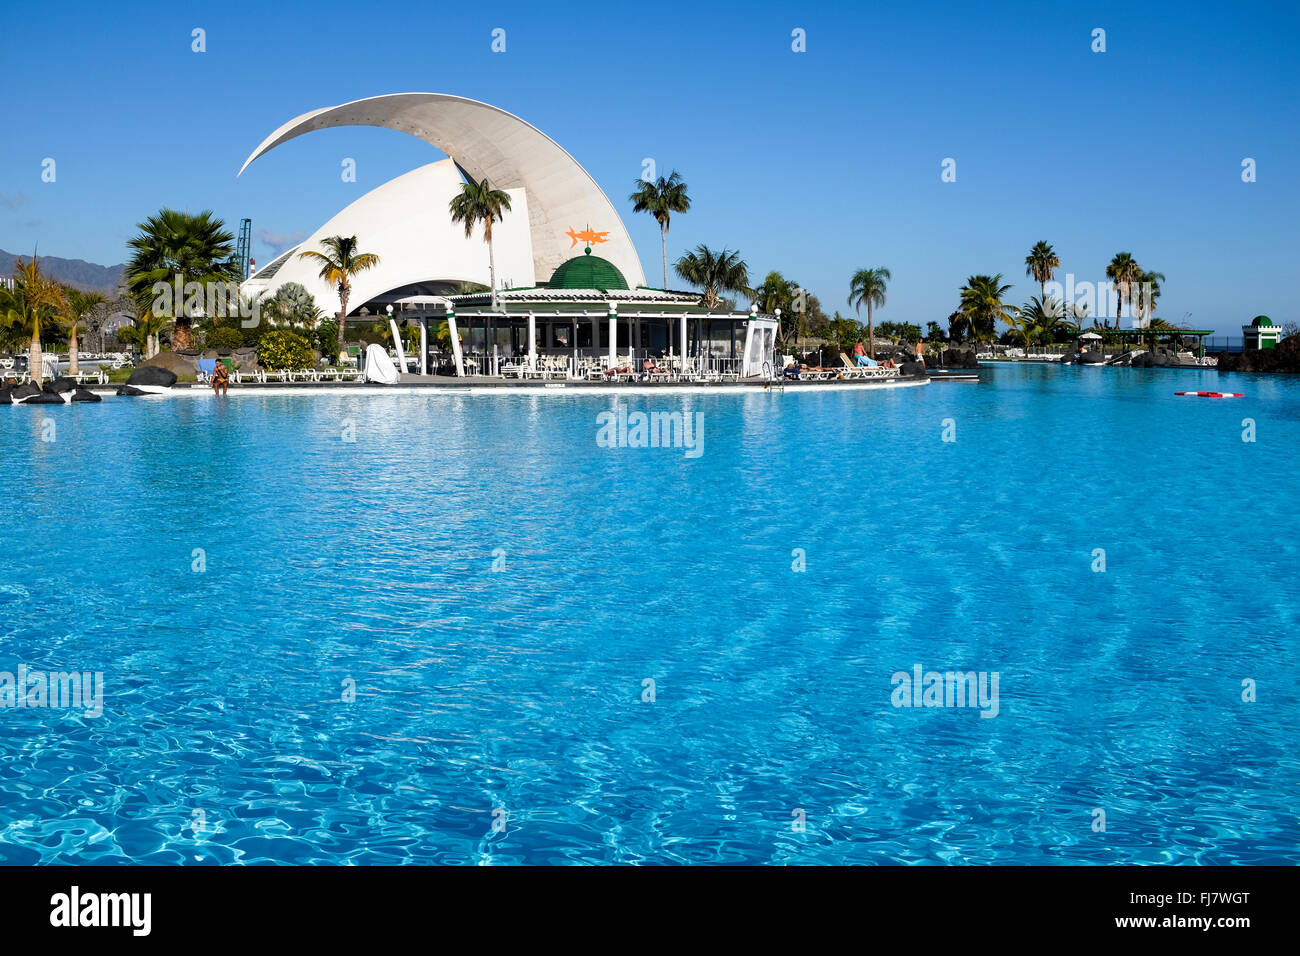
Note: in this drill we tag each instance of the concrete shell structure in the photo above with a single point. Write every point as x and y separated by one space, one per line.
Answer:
485 143
405 222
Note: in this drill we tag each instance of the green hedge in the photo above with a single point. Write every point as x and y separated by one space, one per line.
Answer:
224 338
279 348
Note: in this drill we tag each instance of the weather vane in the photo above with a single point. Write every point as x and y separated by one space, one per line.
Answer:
587 236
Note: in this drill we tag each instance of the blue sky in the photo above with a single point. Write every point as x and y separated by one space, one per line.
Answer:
813 163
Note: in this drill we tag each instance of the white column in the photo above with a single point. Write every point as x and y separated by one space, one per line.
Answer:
532 340
424 345
685 348
397 344
747 362
455 343
613 335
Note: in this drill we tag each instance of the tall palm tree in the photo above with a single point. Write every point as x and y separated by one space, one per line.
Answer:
34 303
172 246
661 198
715 273
867 287
479 202
1041 263
1149 286
338 264
1125 273
79 304
981 302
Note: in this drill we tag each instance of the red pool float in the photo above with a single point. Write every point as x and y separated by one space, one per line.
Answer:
1213 394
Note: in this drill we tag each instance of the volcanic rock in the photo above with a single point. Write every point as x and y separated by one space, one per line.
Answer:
178 363
152 375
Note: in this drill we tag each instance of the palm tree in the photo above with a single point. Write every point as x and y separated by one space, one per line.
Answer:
79 304
1037 319
661 198
479 202
1041 262
338 264
1125 273
981 302
146 333
778 292
176 246
1020 324
715 273
958 326
868 287
1149 283
292 305
33 303
1078 314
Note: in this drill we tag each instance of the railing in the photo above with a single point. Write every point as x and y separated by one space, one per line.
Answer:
1225 343
564 364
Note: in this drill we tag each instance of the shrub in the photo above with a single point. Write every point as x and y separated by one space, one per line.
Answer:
224 338
326 338
279 348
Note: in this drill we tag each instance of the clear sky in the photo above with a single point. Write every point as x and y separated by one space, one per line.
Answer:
813 163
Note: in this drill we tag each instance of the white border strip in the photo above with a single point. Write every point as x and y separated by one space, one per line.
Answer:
557 388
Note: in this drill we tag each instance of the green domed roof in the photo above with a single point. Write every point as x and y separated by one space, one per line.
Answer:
1262 321
587 272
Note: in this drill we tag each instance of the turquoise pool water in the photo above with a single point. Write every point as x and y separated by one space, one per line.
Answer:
503 715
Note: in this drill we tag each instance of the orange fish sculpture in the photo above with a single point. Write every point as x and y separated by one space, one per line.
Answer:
586 235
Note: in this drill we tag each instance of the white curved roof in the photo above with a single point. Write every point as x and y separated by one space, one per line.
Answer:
489 143
405 222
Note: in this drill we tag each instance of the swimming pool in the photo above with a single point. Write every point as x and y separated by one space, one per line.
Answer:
458 629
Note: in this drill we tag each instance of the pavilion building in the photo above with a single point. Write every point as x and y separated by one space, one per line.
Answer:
1260 334
549 302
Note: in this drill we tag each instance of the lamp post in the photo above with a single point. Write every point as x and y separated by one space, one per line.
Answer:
747 359
397 339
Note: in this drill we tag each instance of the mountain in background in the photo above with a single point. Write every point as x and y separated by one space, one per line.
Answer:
75 272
